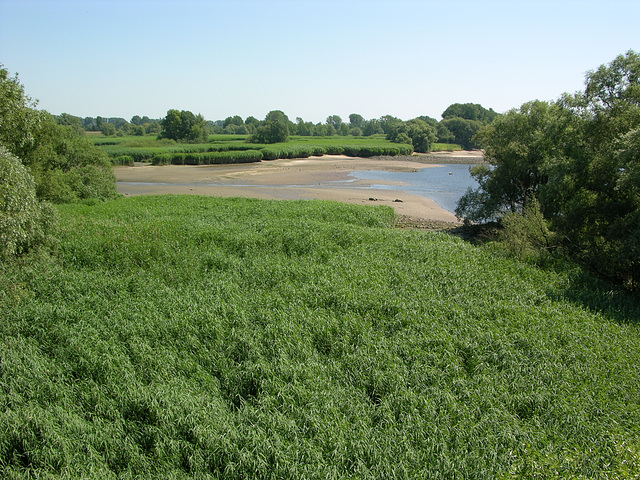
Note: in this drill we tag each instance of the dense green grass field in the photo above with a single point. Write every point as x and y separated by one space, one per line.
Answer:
193 337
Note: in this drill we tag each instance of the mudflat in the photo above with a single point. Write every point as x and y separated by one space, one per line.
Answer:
323 178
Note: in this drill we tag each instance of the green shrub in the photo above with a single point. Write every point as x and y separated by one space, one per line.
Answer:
126 160
77 183
527 235
208 158
138 154
25 223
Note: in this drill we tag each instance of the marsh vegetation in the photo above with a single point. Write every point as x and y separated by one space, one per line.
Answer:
180 336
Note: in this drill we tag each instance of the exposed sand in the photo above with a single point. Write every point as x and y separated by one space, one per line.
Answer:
323 178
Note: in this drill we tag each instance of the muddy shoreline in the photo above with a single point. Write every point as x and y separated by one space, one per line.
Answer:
323 178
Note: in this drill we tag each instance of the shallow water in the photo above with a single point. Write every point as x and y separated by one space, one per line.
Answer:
444 184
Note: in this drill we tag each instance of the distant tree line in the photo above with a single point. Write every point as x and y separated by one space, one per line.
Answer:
566 174
112 126
459 124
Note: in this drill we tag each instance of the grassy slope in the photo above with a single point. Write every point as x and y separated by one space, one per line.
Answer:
236 338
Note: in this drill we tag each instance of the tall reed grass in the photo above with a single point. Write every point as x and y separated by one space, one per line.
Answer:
193 337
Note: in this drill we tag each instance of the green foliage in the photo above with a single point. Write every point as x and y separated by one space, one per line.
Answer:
415 132
123 160
356 121
236 149
184 126
274 130
193 337
470 111
25 223
446 147
291 151
517 145
462 121
70 121
579 158
335 121
527 235
402 137
445 135
65 165
463 131
208 158
18 116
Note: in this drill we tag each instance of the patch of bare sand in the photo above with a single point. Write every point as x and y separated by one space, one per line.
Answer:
322 178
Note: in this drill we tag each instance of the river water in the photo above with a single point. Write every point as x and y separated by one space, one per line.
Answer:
444 184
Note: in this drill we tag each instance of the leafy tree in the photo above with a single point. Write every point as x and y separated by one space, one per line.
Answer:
372 127
402 137
252 121
320 130
25 223
171 125
18 115
65 165
444 134
108 129
305 129
71 121
89 123
595 192
276 116
184 126
387 122
152 127
139 130
356 121
517 147
235 120
577 157
428 120
335 121
274 130
527 234
137 120
463 131
188 121
415 132
470 111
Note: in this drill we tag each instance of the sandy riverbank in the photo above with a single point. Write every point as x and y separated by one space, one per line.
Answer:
323 178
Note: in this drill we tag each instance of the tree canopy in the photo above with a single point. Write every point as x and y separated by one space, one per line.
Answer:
470 111
414 132
184 126
579 159
66 167
274 130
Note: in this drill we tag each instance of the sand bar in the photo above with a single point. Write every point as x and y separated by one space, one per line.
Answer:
324 178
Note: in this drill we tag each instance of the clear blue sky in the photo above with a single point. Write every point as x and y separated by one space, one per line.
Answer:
311 59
